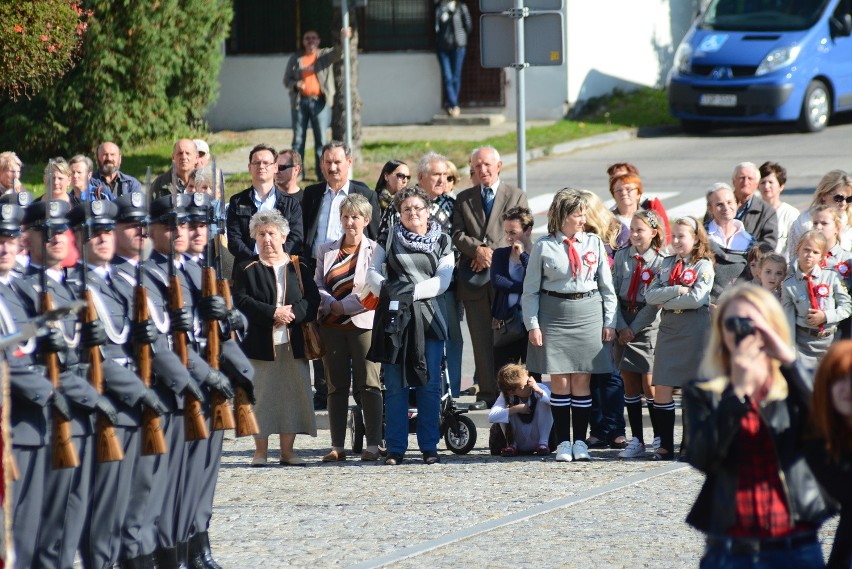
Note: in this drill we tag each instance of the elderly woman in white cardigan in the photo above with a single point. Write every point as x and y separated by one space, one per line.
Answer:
346 327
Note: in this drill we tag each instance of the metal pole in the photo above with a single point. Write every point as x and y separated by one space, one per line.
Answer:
520 95
347 76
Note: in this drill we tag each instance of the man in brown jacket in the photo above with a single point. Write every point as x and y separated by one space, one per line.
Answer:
477 231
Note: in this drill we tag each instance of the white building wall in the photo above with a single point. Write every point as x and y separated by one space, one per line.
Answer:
610 44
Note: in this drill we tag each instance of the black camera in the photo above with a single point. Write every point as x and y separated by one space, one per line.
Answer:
740 326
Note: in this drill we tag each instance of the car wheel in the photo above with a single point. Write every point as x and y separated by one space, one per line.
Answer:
816 108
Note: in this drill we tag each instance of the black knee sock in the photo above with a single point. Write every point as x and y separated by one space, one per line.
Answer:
634 415
581 408
665 423
560 408
652 414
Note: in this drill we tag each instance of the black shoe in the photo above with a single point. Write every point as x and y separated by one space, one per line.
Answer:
141 562
200 554
478 405
393 459
594 442
167 558
183 555
431 457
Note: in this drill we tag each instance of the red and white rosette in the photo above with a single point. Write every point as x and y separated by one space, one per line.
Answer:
646 276
843 269
688 277
821 291
590 259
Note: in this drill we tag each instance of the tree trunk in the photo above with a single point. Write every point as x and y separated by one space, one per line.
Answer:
338 114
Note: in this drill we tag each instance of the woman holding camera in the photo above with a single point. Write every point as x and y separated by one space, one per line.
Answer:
760 505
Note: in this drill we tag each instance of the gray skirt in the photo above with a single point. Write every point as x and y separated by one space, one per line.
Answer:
680 346
811 348
638 355
571 333
285 403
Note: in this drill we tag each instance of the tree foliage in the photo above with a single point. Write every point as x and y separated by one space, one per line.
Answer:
147 70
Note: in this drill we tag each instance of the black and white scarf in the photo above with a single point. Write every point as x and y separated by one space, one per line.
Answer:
416 242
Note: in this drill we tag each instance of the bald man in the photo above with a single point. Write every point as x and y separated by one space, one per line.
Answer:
175 179
109 171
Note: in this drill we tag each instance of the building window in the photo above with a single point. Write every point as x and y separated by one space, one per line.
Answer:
397 25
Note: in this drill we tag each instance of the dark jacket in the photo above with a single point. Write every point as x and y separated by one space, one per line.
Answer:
123 183
255 293
503 283
730 266
312 202
241 208
398 335
760 221
712 419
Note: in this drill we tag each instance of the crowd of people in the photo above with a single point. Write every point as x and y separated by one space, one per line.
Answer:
340 288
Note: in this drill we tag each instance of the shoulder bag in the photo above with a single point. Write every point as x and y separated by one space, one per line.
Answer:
314 346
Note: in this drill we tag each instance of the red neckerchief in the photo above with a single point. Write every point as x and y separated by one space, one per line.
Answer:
633 290
812 296
674 277
573 256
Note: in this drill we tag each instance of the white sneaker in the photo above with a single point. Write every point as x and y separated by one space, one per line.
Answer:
634 449
563 452
580 451
656 443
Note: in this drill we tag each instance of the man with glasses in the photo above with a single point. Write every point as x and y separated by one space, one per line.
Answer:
309 80
262 195
289 173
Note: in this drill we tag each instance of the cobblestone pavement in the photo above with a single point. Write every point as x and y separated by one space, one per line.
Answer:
469 511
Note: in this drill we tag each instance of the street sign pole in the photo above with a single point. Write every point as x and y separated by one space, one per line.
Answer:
347 76
519 13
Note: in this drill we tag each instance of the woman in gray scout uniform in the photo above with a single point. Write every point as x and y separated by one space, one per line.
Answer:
814 300
638 322
682 289
569 308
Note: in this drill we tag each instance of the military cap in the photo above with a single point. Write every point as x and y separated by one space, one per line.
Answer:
11 216
22 199
132 207
39 214
100 213
166 208
199 206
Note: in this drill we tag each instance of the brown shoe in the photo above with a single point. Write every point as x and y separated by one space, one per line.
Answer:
334 456
368 456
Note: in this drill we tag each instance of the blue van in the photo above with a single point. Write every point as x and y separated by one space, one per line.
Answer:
762 61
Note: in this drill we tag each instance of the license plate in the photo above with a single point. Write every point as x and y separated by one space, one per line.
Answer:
718 101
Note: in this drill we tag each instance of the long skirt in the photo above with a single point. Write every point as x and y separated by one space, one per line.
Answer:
282 387
571 332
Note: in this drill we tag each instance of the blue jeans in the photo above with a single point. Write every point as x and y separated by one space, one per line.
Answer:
803 557
428 404
451 70
607 420
317 112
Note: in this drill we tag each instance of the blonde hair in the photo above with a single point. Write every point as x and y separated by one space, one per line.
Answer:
716 364
601 221
816 236
831 182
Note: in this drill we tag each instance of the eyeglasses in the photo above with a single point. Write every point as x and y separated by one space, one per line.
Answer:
840 199
285 167
625 190
451 179
262 164
413 210
403 177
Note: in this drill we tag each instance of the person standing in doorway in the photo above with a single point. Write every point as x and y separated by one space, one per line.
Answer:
452 27
309 80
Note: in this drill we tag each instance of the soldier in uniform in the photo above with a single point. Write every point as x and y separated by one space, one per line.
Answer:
65 512
205 455
31 395
170 240
112 300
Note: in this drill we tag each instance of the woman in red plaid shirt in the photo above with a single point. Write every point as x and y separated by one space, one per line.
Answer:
760 505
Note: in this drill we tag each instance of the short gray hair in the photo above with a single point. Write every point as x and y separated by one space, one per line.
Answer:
746 165
487 147
357 204
410 192
81 159
269 217
426 161
717 187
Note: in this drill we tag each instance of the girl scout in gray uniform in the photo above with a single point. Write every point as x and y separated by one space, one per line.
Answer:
569 308
682 289
638 322
814 300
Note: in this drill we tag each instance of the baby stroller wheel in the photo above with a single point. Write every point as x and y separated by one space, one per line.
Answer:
355 423
461 437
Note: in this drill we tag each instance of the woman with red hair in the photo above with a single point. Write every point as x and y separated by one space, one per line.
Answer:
831 458
627 191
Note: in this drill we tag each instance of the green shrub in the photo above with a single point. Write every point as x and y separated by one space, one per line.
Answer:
147 70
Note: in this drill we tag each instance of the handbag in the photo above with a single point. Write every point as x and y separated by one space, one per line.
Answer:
509 330
314 346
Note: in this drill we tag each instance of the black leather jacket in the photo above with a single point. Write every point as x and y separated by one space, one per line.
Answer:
712 414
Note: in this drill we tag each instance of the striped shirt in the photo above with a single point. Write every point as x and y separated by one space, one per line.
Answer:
339 281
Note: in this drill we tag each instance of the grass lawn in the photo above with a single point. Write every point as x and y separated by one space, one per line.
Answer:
642 108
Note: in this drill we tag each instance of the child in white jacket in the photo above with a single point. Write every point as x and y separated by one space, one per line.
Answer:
523 412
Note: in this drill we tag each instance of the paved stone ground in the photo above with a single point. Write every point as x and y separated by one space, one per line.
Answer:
357 514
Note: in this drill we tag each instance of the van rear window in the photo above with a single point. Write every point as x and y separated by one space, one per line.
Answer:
762 15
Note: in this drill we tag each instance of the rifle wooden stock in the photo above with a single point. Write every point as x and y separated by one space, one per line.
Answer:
153 439
221 416
196 428
64 452
10 465
108 447
245 418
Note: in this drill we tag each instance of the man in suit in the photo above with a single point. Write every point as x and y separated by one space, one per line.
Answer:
757 216
321 215
477 231
262 195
